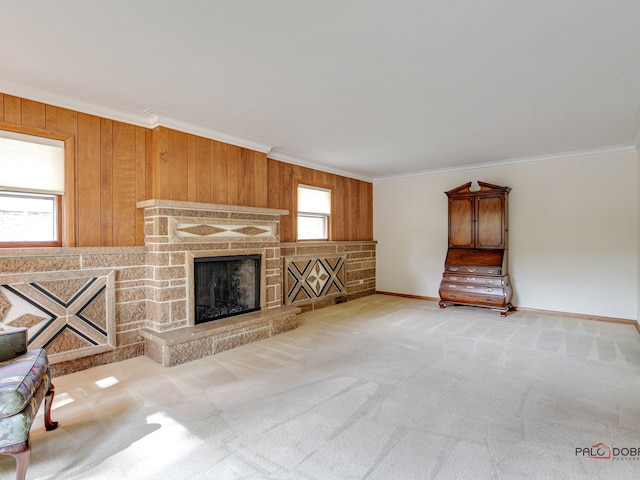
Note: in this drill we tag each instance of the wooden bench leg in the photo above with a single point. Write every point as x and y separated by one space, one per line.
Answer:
22 462
48 400
21 452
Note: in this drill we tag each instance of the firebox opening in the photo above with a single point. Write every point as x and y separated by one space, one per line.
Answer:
226 286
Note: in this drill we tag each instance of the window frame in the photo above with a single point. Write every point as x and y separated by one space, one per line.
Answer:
65 204
58 227
327 217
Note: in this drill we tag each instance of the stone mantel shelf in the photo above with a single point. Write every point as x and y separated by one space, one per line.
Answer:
212 207
321 243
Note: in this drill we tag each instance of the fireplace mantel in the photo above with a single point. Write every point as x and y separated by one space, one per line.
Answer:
209 207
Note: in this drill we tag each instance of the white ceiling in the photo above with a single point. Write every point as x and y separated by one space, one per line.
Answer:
367 88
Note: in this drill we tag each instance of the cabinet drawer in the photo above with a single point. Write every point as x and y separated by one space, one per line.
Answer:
472 288
473 269
477 279
472 298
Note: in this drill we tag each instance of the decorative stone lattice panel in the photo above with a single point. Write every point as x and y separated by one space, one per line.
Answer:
200 230
70 313
309 278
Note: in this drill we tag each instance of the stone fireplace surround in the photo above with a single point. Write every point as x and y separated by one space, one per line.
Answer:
147 305
185 231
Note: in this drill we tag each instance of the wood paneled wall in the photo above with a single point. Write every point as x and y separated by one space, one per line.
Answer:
114 165
351 201
186 167
107 171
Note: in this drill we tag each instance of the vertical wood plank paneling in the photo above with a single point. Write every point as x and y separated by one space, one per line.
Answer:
110 166
124 184
368 208
288 201
203 170
260 180
151 162
69 202
12 109
192 172
88 181
141 184
353 196
232 174
346 213
33 114
106 182
161 171
338 208
362 211
62 120
246 185
178 164
318 178
274 183
219 169
307 175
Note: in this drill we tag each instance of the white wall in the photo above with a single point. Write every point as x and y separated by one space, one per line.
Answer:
573 232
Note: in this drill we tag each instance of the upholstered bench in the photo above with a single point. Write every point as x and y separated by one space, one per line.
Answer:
25 379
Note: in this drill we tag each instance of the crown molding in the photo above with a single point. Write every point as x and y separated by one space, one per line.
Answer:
514 161
151 118
159 119
148 118
284 157
75 103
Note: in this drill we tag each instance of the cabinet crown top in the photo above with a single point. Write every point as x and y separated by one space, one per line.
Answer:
484 188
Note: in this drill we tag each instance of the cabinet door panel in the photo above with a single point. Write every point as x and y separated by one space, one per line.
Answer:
490 216
461 222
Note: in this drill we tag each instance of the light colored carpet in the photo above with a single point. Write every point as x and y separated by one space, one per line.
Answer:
378 388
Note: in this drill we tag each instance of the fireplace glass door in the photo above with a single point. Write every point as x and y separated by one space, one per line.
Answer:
226 286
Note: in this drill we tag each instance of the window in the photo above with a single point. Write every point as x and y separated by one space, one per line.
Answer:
314 211
31 188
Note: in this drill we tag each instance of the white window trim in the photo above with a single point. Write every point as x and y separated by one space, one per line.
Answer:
324 212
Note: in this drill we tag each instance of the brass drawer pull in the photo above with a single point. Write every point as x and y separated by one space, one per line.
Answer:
471 270
489 289
470 286
471 279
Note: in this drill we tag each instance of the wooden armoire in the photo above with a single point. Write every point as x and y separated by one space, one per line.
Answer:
476 267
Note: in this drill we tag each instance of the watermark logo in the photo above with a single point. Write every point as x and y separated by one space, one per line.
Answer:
602 451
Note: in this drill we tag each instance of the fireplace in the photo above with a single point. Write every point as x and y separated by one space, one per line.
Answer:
226 286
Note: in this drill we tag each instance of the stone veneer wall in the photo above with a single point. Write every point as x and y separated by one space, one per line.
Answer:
125 309
360 269
147 288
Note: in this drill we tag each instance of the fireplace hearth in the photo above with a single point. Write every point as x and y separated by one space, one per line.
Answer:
226 286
